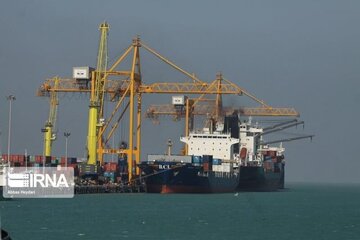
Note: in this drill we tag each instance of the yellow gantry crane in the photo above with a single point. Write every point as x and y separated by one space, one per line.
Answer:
125 88
49 130
213 108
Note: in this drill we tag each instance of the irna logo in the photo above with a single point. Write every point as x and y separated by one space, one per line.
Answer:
34 180
39 182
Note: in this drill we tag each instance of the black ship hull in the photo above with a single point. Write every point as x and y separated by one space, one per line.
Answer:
258 178
188 179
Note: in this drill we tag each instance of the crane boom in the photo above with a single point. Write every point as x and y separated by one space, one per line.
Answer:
170 110
281 128
288 139
279 125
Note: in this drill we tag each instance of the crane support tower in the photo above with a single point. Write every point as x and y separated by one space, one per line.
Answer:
49 130
97 95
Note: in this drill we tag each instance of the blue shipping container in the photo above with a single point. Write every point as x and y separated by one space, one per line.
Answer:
216 161
266 158
196 159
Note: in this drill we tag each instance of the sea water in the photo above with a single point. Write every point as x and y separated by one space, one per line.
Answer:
302 211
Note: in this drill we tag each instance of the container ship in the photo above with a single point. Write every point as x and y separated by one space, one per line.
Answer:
210 166
232 156
262 168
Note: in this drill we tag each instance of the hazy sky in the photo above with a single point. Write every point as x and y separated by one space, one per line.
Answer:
303 54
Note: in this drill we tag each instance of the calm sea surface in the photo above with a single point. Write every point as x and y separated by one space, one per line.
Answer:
303 211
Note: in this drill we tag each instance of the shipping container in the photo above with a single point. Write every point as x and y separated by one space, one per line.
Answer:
48 160
110 175
38 159
55 161
21 158
267 157
111 167
216 161
14 158
207 158
207 166
87 168
123 169
196 159
70 160
81 160
217 168
122 162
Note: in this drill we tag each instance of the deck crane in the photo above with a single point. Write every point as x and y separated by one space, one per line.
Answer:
49 130
125 88
281 127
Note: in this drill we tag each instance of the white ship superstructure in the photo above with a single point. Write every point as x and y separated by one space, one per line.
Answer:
252 150
219 145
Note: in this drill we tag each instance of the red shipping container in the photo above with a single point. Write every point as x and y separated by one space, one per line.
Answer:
13 158
206 166
5 157
38 158
111 167
21 158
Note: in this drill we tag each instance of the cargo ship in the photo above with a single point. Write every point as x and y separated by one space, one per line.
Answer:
262 167
231 156
210 166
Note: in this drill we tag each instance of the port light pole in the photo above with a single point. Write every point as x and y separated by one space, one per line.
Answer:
10 98
66 135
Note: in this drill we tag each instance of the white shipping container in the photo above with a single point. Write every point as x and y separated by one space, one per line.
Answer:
216 168
227 167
